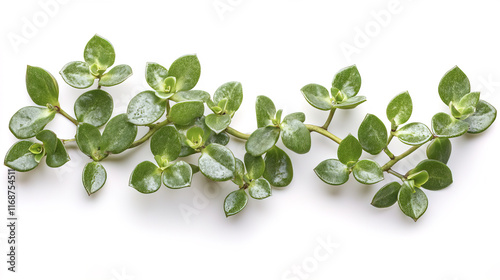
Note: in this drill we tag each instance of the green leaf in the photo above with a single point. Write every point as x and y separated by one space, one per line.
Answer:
118 135
146 177
145 108
419 178
28 121
387 195
440 175
77 74
301 117
447 126
88 139
367 172
262 139
41 86
279 169
93 177
399 109
413 202
94 107
191 95
56 152
469 100
453 86
235 202
178 175
186 70
231 91
166 143
217 163
20 158
332 172
414 134
156 75
349 150
116 75
239 173
218 123
265 110
296 136
350 103
255 166
484 116
318 96
185 112
259 189
100 52
372 134
439 149
348 81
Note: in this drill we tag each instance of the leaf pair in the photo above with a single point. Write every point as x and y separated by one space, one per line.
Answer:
197 135
99 55
343 94
227 100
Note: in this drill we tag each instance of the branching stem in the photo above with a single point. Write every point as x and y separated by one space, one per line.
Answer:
66 115
329 119
152 130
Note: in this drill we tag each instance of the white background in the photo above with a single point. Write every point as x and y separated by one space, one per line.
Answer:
274 48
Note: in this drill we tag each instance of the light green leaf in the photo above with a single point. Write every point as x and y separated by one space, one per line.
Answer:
100 52
399 109
231 91
265 110
56 152
419 178
93 177
41 86
166 143
318 96
348 80
191 95
77 74
296 136
218 123
255 166
332 172
469 100
28 121
447 126
413 202
178 175
367 172
239 172
118 135
94 107
453 86
20 158
259 189
350 103
88 139
146 177
484 116
217 163
185 112
414 134
116 75
262 140
279 169
387 195
372 134
440 175
186 70
439 149
156 75
235 202
145 108
301 117
349 150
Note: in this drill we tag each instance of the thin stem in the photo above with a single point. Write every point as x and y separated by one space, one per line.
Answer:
237 134
323 132
329 119
390 163
64 141
66 115
150 133
386 149
397 174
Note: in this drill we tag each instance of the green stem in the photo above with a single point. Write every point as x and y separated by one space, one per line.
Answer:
237 134
386 149
66 115
397 174
393 161
150 133
323 132
329 119
64 141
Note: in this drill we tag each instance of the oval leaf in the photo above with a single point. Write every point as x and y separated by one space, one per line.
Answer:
296 136
372 134
145 108
93 177
414 134
118 135
387 195
217 163
94 107
186 70
399 109
146 177
348 80
235 202
41 86
88 139
178 175
261 140
265 110
156 75
453 86
77 74
218 123
185 112
279 169
231 91
412 203
28 121
20 158
99 51
318 96
255 166
166 143
349 150
439 149
332 172
367 172
440 175
484 116
56 152
259 189
239 172
116 75
447 126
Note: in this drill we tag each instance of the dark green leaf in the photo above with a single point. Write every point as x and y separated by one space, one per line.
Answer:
217 163
56 152
255 166
372 134
178 175
88 139
218 123
279 169
28 121
41 86
413 202
116 75
118 135
94 107
447 126
93 177
439 149
453 86
166 143
262 140
235 202
233 93
399 109
186 70
318 96
146 177
77 74
185 112
348 81
259 189
296 136
20 158
414 134
100 52
156 75
387 195
332 172
349 150
440 175
367 172
145 108
265 110
484 116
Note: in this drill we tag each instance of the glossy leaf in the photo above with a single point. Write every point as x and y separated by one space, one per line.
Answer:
349 150
469 100
367 172
191 95
265 110
116 75
419 178
414 134
94 107
259 189
88 139
348 81
166 143
239 173
299 116
262 140
42 86
218 123
156 75
28 121
186 70
183 113
332 172
399 109
296 136
279 169
145 108
453 86
77 74
100 52
447 126
440 175
350 103
233 92
146 177
439 149
118 135
178 175
217 163
20 158
372 134
387 195
93 177
255 166
413 202
484 116
318 96
235 202
56 152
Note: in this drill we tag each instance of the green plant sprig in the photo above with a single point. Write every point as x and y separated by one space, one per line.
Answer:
174 112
